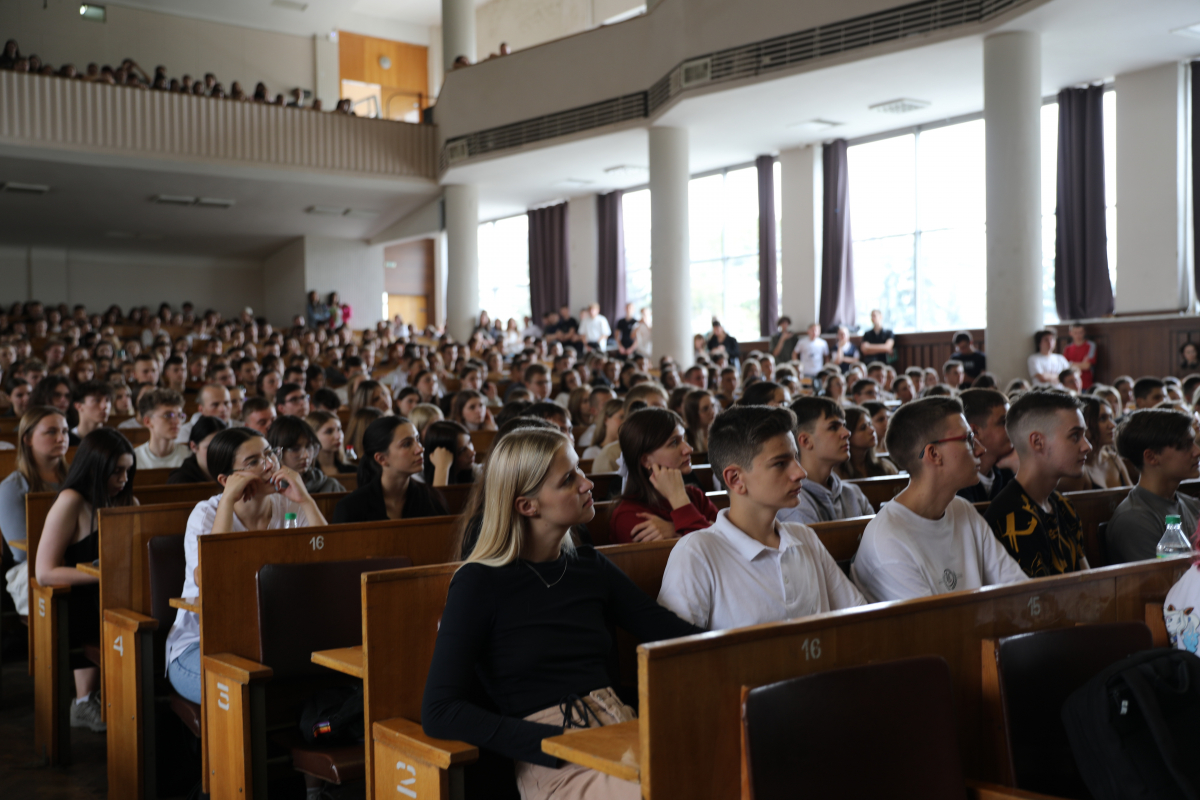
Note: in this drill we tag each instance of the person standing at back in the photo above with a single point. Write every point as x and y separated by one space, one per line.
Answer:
1035 523
879 342
974 362
811 352
1046 365
1081 354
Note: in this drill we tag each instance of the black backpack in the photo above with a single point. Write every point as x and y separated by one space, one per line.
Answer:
1135 728
333 716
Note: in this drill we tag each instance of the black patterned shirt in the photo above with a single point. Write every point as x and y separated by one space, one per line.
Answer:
1042 542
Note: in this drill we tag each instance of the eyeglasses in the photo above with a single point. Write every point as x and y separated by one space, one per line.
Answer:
171 416
296 398
267 458
969 438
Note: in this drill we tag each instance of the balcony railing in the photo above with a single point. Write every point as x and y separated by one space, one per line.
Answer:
52 112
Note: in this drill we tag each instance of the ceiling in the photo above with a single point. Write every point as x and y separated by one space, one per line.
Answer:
1082 41
109 207
393 19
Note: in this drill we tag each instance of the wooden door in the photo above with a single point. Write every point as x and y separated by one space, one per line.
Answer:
412 308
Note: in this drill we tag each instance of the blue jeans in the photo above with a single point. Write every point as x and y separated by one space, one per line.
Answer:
184 673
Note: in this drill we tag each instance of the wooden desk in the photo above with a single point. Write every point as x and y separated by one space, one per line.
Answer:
186 603
346 660
18 544
87 568
613 749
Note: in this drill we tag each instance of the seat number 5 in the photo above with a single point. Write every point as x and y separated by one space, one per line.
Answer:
317 542
119 645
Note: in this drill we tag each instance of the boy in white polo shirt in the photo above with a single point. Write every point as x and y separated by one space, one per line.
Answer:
748 568
162 412
928 540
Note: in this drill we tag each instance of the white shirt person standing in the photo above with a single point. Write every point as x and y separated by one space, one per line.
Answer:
812 351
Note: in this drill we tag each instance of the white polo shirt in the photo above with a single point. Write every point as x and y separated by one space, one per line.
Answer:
721 578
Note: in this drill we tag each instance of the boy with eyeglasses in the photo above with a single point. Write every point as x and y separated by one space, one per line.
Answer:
161 411
929 541
292 400
1035 523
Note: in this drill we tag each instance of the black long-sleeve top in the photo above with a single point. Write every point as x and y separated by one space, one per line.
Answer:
531 646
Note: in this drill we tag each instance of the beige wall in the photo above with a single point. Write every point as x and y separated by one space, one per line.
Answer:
59 35
525 23
100 279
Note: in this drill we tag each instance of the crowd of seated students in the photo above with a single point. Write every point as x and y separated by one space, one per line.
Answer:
130 73
785 444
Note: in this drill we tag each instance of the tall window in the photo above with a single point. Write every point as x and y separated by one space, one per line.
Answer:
635 217
917 221
723 225
504 268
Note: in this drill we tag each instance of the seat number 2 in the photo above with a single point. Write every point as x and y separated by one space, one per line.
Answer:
402 787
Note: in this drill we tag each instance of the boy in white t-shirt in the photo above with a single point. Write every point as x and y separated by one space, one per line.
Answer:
812 351
162 412
749 568
929 541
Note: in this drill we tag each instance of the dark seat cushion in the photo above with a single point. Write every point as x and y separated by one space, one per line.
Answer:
307 607
187 711
1038 672
805 737
341 764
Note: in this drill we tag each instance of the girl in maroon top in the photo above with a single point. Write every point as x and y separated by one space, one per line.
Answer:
657 504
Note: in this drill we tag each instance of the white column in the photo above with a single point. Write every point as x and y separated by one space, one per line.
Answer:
326 85
458 31
583 238
462 260
1152 211
802 198
1012 102
670 263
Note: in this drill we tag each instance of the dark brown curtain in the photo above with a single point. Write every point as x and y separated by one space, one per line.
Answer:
611 256
768 287
837 266
548 277
1195 67
1081 284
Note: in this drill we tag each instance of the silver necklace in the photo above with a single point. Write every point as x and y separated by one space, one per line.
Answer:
543 580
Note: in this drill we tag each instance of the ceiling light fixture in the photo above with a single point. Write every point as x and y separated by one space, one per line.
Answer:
1192 30
290 5
901 105
214 202
12 187
361 213
93 13
189 200
328 211
627 172
814 125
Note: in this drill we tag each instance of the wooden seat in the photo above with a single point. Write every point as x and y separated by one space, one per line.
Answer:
882 489
1028 677
808 732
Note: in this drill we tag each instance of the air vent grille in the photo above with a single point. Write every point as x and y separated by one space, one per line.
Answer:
747 61
596 115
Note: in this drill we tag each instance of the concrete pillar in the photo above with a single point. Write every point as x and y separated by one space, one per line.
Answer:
802 198
1153 264
1012 102
583 240
462 260
458 31
670 263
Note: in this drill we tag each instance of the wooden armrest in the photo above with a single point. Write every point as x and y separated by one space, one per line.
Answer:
18 544
1157 625
186 603
87 569
237 669
53 591
978 790
406 735
612 749
347 660
130 621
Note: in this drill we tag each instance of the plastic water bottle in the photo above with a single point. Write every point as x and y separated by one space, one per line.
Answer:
289 521
1173 542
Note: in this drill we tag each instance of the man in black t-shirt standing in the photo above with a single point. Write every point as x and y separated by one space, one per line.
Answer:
625 328
974 362
568 330
879 342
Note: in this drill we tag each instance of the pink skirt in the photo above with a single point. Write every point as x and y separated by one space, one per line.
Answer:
571 781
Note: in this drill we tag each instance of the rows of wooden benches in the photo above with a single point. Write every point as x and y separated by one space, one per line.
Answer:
841 538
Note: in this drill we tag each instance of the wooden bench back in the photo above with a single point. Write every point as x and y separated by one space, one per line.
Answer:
482 441
124 533
690 688
882 489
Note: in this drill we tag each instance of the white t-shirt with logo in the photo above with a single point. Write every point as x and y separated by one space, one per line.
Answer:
903 555
812 354
1181 611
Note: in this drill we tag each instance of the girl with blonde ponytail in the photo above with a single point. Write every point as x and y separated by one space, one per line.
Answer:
528 614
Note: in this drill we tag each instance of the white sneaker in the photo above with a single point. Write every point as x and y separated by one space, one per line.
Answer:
87 714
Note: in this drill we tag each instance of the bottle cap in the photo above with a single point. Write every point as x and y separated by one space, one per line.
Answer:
289 517
1174 519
